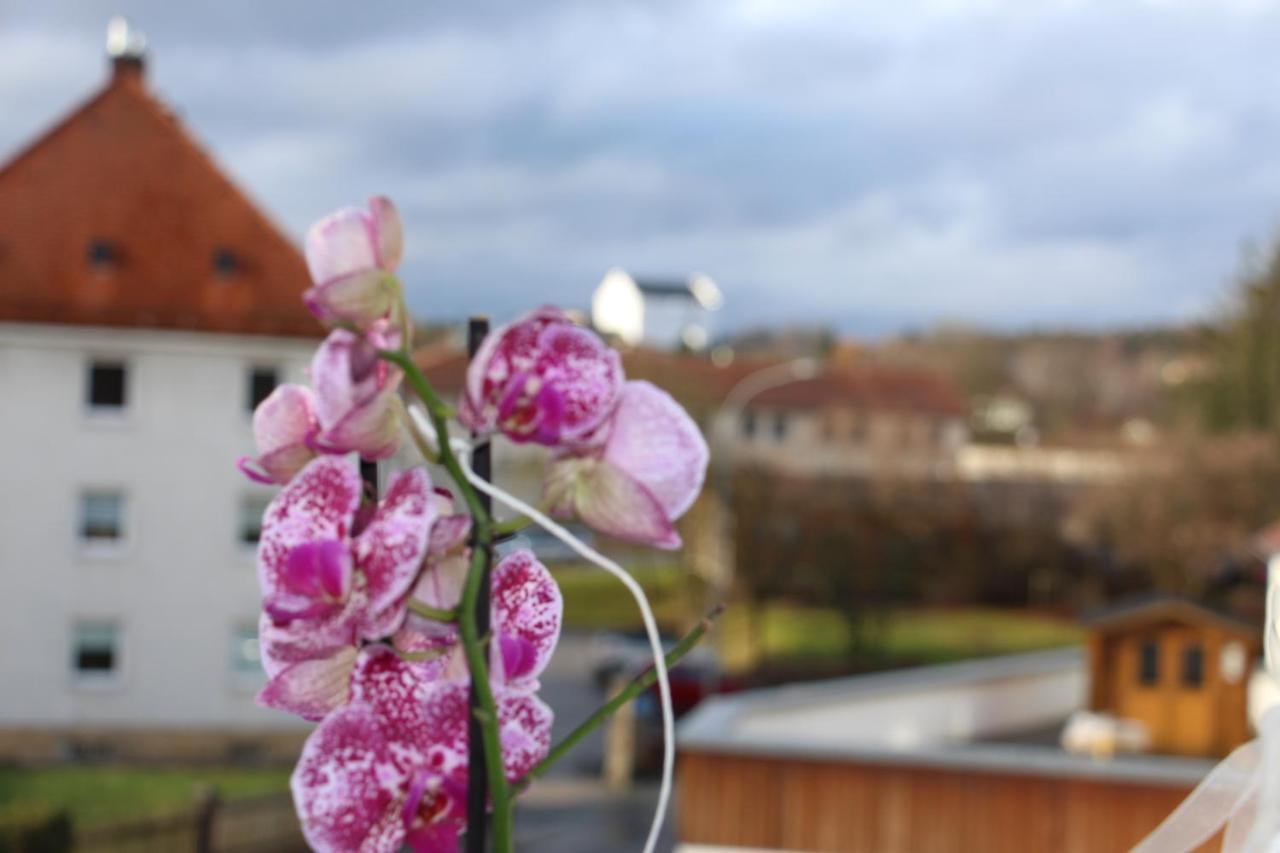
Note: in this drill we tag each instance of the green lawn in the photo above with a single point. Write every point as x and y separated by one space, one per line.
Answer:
809 635
906 637
100 795
595 600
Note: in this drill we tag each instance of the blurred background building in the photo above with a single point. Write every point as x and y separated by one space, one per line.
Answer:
146 307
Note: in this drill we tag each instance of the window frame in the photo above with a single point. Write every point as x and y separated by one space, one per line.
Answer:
250 379
1148 677
244 677
261 498
99 547
92 678
107 412
1192 651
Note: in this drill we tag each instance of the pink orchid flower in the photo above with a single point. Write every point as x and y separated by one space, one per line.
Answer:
526 611
643 475
352 255
390 768
328 582
541 379
356 407
282 424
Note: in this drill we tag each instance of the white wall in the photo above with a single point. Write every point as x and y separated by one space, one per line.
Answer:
183 580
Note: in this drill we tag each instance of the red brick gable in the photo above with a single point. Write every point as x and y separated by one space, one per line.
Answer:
116 217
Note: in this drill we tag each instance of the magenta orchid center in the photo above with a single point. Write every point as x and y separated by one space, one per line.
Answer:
519 656
532 408
315 579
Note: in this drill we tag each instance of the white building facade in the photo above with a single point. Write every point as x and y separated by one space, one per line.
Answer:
658 313
128 594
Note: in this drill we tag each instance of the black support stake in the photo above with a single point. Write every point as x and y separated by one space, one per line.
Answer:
477 777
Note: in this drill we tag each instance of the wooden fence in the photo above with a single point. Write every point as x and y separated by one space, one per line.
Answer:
265 824
785 803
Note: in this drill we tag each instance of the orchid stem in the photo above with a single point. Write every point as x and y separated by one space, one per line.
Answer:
634 688
436 614
472 644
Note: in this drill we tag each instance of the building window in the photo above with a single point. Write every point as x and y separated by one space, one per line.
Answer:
246 659
749 424
262 381
95 649
101 255
780 426
1149 663
252 508
1192 665
108 386
225 262
101 517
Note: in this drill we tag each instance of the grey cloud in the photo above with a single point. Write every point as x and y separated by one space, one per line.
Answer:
864 164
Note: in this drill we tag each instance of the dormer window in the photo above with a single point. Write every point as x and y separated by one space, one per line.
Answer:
101 255
225 262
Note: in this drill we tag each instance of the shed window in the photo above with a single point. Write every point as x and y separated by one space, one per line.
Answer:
1192 665
1149 663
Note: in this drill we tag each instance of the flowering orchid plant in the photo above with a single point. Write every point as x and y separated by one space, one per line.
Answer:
370 609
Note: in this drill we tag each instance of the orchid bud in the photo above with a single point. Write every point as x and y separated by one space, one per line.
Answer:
352 255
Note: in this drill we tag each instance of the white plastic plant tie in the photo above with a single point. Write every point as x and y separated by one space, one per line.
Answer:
1221 795
463 450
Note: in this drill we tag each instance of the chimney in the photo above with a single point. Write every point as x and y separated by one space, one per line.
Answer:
127 50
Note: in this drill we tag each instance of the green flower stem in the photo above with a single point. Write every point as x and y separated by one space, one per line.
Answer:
472 644
436 614
634 688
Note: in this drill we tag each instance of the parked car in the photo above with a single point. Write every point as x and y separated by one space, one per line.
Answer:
620 655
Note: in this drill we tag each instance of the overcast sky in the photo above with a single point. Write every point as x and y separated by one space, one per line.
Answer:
872 166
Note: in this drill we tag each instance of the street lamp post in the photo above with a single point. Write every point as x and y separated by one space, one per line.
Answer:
723 428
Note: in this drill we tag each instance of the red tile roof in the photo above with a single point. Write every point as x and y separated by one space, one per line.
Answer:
701 385
121 174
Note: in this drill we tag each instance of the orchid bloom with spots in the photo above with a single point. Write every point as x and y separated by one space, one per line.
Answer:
283 425
356 404
642 473
541 379
389 769
526 609
331 577
352 255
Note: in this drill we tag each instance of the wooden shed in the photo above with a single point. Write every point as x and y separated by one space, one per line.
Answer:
1179 668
